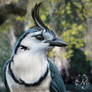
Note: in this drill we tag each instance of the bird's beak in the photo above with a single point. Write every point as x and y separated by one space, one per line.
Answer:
58 42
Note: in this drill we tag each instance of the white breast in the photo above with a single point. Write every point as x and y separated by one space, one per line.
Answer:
14 87
29 67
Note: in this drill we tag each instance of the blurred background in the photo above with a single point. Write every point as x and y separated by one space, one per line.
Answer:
69 19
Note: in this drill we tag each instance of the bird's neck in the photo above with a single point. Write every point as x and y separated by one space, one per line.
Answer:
30 67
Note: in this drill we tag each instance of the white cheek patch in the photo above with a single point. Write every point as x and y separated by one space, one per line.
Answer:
26 41
29 40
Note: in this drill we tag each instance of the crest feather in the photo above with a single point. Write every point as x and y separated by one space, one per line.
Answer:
36 17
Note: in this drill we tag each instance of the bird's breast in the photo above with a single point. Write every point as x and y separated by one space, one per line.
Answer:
29 68
15 87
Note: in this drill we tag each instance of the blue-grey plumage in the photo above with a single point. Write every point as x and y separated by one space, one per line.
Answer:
29 69
56 84
4 75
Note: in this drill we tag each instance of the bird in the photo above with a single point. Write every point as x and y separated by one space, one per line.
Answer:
29 69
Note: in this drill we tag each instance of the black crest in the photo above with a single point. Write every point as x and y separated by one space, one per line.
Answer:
36 17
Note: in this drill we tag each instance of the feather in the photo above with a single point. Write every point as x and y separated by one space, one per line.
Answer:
56 84
37 19
4 75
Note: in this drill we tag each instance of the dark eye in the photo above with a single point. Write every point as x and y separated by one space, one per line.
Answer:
39 37
24 47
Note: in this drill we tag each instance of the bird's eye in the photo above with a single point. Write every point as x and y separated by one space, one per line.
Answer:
39 37
24 47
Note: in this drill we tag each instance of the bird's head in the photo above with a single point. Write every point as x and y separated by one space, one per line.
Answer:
39 37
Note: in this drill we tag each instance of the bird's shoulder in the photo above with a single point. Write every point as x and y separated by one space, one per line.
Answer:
57 84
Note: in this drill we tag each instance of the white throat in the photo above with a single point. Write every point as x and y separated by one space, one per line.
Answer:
30 67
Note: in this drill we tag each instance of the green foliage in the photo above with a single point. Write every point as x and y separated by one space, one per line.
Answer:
74 36
74 26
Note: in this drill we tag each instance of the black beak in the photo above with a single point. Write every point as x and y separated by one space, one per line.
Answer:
58 42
